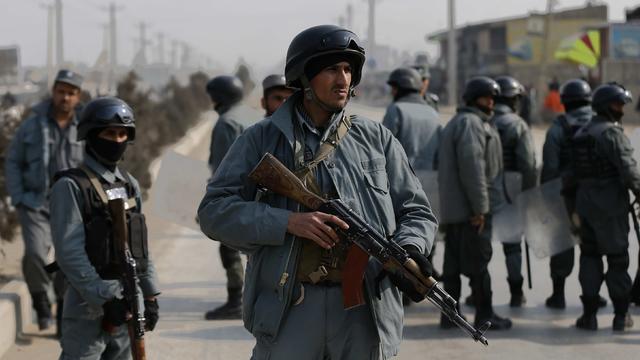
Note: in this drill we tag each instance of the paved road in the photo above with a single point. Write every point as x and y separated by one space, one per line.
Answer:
192 281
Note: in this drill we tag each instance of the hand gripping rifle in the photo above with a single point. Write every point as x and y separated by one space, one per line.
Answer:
274 176
129 278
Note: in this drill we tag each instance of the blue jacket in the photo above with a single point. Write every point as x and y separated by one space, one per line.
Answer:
371 174
417 127
27 158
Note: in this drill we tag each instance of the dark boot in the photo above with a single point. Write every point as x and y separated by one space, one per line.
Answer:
43 309
59 308
635 290
232 309
622 319
588 320
557 300
484 313
517 296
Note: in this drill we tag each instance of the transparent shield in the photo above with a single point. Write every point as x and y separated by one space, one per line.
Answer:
547 226
429 181
634 138
179 188
507 223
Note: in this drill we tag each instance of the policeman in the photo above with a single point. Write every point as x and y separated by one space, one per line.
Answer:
518 156
44 144
605 170
226 93
422 66
470 165
576 98
414 123
82 235
274 93
294 272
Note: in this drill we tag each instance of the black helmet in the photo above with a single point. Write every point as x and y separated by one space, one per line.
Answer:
606 94
405 78
480 86
106 112
509 87
575 90
225 90
273 81
319 41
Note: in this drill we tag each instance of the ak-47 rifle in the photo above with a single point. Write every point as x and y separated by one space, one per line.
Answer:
129 278
274 176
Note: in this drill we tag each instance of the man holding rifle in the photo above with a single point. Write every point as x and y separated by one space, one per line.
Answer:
297 261
103 252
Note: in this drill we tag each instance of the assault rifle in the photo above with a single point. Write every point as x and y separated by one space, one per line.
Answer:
366 241
129 277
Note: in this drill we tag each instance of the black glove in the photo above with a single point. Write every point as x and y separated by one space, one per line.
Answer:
116 311
150 314
403 283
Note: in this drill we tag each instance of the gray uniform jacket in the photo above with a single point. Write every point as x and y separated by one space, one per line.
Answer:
371 174
417 126
227 129
604 202
515 136
555 144
88 291
470 165
27 162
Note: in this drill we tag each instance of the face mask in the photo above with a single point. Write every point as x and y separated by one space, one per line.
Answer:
108 151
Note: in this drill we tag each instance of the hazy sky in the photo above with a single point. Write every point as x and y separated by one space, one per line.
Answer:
258 30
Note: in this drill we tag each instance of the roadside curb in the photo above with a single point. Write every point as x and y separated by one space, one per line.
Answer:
15 313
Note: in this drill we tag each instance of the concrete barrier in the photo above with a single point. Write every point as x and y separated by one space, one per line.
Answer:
15 313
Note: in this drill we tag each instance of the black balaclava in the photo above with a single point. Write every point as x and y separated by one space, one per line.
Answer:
573 105
107 152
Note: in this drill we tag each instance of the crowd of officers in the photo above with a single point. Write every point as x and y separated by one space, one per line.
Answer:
62 168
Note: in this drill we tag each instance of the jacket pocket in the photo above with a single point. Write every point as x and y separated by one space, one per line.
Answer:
375 174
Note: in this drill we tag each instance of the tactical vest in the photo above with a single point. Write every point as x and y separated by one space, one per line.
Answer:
98 227
509 158
568 132
317 264
587 162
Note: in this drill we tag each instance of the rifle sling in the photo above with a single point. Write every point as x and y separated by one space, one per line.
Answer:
95 182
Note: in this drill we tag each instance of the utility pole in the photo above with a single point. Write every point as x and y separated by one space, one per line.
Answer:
349 23
452 61
174 54
542 76
51 17
59 37
371 31
141 57
112 9
160 47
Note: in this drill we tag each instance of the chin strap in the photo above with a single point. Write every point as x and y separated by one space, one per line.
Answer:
310 95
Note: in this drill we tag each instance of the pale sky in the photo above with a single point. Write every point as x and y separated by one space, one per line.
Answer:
259 31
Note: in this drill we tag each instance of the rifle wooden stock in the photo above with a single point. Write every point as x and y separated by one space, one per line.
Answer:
127 267
273 175
366 243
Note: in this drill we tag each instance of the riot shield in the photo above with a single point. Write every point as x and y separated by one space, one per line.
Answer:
507 223
429 181
179 188
547 224
634 138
